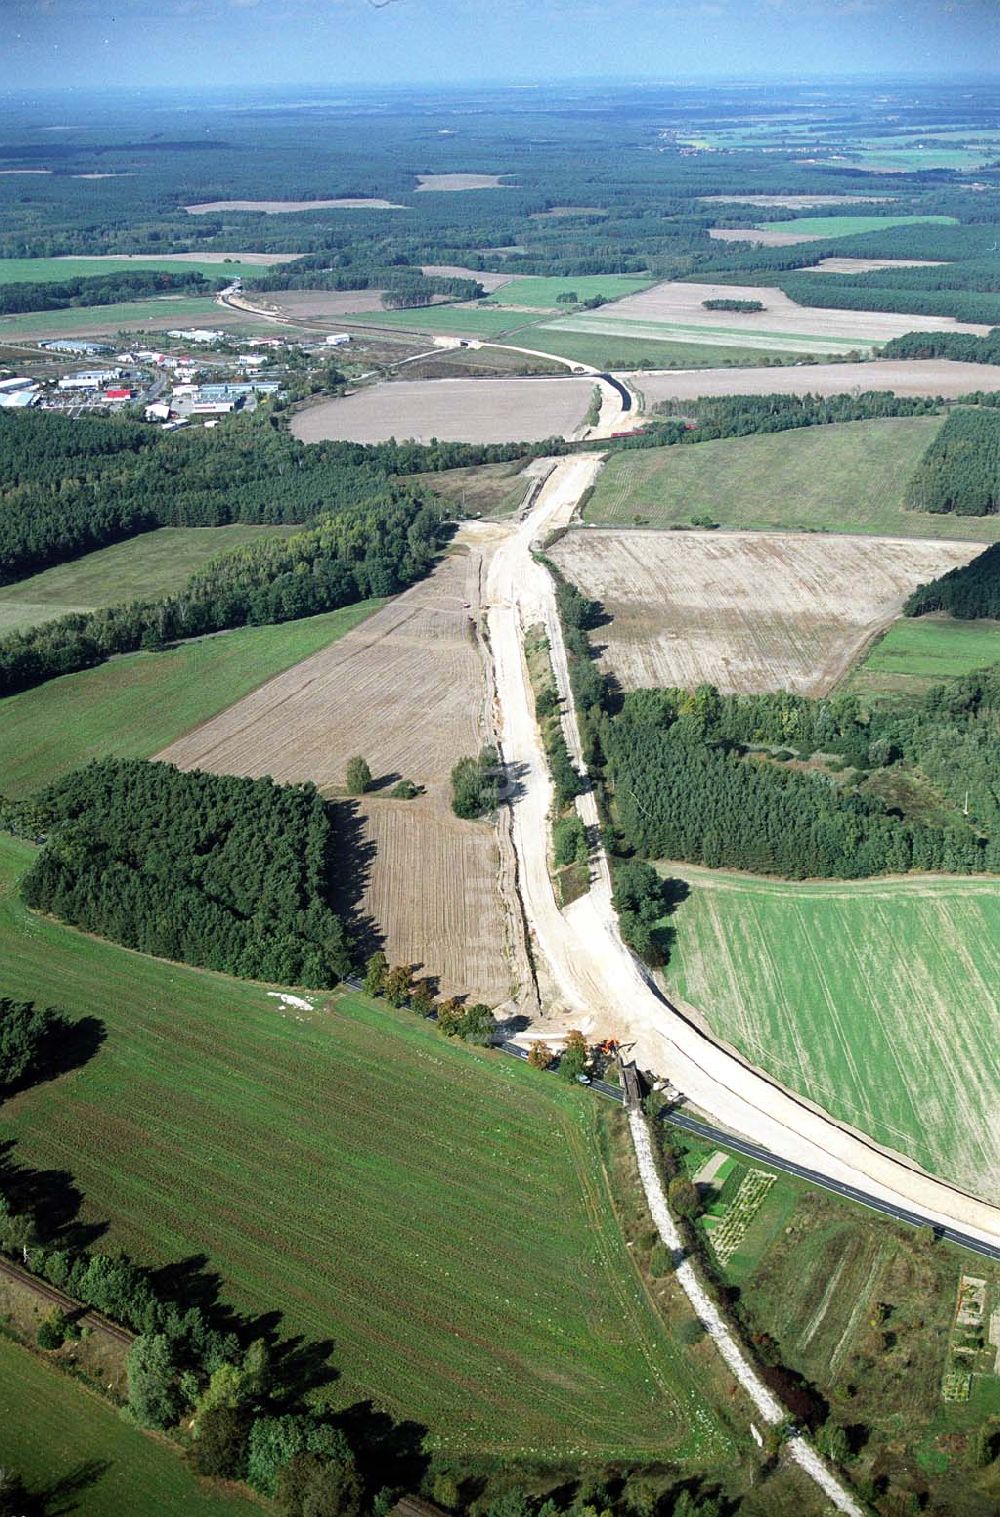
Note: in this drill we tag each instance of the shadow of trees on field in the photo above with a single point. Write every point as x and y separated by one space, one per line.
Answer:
349 871
57 1496
50 1198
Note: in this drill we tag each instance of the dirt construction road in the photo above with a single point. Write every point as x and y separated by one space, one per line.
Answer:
596 980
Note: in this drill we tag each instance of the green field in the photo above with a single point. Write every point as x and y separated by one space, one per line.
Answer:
144 567
877 1000
921 651
850 477
132 707
62 1440
848 226
463 321
605 323
544 291
167 310
442 1213
50 270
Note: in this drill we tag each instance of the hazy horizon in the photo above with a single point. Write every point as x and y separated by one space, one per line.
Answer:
226 44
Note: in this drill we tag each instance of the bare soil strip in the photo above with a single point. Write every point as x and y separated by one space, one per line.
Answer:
600 983
282 207
745 611
915 376
869 265
453 182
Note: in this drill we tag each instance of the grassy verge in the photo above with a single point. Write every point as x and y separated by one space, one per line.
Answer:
462 1251
849 477
918 652
144 567
874 999
568 856
75 1450
133 706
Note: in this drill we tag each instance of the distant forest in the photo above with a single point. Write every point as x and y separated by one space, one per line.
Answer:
233 874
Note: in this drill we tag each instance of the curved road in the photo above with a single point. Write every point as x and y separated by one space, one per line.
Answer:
594 977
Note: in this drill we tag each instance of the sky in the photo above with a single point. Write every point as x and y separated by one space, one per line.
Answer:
88 43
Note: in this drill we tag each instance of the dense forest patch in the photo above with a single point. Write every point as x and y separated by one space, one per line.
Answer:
960 472
969 593
778 784
234 874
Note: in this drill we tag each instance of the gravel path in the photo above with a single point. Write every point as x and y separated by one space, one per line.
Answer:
767 1405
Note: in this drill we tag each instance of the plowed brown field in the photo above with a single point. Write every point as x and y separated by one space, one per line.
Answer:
452 410
406 690
745 611
913 376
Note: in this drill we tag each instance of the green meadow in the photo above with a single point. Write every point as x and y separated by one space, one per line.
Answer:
442 1213
133 706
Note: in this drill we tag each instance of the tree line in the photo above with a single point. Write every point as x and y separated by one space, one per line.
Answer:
968 592
229 873
364 551
960 471
101 289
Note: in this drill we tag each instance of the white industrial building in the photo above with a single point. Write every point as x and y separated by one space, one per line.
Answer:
337 339
79 345
197 334
89 379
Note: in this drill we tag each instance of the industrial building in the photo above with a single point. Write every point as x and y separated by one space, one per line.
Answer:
79 345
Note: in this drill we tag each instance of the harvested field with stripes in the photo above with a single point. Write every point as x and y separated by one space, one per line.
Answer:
903 376
745 611
452 410
677 310
876 1000
406 691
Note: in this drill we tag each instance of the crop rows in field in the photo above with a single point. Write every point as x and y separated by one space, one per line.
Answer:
441 1213
406 691
876 1000
745 611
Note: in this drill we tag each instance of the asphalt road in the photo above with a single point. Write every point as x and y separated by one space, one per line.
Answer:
764 1156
